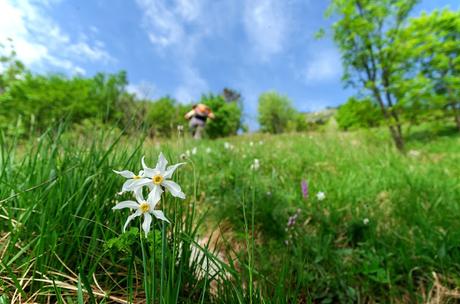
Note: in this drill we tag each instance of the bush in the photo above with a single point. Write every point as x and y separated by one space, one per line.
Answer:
358 114
161 117
228 116
275 112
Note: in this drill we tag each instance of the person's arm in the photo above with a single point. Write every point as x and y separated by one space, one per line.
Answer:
189 114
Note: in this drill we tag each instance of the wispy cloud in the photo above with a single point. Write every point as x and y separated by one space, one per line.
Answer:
324 65
178 28
192 86
169 23
40 42
266 25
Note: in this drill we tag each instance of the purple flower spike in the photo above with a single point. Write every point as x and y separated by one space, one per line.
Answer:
304 186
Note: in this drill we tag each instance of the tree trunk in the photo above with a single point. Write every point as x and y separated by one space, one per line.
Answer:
457 116
397 137
395 132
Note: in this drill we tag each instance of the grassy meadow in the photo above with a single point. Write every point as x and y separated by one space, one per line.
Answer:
386 231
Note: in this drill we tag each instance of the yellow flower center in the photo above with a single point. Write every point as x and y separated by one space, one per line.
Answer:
157 179
136 177
145 207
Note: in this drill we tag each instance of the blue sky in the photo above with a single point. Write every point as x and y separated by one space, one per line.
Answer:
184 48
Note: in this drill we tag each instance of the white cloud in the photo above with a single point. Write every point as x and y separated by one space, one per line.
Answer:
192 86
92 53
189 9
266 25
162 22
179 27
324 65
40 43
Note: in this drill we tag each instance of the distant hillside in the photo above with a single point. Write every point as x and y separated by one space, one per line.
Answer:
320 117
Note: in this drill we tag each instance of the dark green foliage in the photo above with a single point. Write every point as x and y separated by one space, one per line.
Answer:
358 114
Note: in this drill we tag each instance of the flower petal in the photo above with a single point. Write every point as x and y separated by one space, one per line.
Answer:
173 188
162 162
135 184
170 170
126 204
125 173
139 196
146 223
130 218
147 172
155 195
127 185
160 215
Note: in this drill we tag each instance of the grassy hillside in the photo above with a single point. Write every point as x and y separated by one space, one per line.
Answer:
387 230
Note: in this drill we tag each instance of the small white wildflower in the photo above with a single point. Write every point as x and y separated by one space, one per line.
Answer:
251 143
414 153
261 142
255 165
180 128
194 150
142 207
183 156
320 196
366 221
208 150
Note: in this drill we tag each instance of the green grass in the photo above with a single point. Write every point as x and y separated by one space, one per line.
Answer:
229 241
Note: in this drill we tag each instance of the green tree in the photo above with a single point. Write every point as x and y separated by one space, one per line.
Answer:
162 117
39 101
275 111
431 48
231 95
357 113
11 69
366 34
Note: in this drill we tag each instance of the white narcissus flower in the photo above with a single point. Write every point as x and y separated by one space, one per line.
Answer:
142 207
160 177
132 181
320 196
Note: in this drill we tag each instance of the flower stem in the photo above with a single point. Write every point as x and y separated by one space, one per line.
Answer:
163 249
144 264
